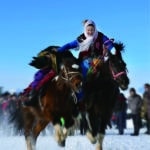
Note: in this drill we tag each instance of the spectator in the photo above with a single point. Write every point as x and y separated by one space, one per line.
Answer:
134 104
146 100
120 111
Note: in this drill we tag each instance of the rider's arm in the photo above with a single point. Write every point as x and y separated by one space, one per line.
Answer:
73 44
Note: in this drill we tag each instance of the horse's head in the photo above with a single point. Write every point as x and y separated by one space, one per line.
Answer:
70 72
118 67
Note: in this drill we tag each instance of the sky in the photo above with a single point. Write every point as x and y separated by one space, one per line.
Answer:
29 26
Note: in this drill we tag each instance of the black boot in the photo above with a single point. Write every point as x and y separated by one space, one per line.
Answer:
32 99
148 127
135 134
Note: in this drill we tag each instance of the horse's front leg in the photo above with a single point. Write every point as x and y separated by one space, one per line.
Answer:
101 133
91 137
60 134
99 144
28 133
30 142
89 132
31 136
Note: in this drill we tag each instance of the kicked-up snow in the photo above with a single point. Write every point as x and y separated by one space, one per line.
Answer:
112 141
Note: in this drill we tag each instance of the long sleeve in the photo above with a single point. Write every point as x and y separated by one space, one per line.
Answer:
67 46
139 101
107 42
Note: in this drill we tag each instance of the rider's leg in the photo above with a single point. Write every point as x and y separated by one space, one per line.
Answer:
32 98
85 65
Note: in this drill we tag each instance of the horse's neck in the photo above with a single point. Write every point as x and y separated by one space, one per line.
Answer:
105 71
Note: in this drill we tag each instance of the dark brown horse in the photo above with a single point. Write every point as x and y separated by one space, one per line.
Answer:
101 91
57 105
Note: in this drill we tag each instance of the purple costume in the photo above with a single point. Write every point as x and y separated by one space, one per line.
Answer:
39 75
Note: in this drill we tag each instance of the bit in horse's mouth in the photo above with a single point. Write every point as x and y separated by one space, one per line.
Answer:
124 87
78 88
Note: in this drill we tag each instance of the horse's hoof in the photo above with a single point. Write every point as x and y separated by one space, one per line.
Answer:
93 142
62 144
98 147
91 138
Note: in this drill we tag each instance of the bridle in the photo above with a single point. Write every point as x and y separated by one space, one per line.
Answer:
67 76
116 75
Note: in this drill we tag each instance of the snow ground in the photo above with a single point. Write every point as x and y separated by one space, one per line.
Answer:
112 141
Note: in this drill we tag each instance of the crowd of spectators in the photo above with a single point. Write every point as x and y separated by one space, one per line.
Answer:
135 106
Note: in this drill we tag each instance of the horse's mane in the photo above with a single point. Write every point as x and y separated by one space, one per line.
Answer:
120 47
40 61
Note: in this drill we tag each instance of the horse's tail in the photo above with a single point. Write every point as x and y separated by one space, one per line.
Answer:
16 118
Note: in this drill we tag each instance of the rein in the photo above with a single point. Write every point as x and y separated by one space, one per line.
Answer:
68 76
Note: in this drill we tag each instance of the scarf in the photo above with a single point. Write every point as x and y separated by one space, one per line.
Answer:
84 46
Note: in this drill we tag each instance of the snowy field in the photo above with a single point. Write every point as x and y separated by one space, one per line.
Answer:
112 141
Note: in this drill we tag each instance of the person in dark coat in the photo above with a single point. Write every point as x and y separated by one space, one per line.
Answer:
134 104
146 101
120 112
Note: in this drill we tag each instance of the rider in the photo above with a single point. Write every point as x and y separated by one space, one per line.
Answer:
40 77
91 43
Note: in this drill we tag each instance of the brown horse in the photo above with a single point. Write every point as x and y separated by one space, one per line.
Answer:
57 105
101 91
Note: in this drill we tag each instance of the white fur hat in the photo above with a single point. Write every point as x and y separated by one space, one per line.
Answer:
88 22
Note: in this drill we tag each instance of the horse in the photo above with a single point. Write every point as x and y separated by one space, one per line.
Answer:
101 90
57 105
